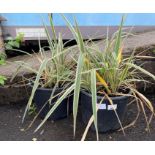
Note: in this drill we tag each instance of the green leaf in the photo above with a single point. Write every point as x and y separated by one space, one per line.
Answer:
142 70
2 80
35 86
8 47
80 38
118 40
77 88
19 38
48 36
2 62
11 43
16 44
71 28
53 29
94 99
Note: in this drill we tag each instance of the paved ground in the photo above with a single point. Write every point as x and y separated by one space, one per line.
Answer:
10 115
142 40
11 128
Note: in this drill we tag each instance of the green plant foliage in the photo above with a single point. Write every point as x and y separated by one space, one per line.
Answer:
104 72
2 78
115 74
2 61
94 99
14 42
32 110
55 71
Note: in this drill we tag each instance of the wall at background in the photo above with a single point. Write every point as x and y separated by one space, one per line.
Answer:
84 19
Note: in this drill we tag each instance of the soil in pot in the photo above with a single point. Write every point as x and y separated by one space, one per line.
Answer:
41 98
107 119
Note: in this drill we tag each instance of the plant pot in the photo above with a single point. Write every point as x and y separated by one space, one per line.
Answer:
107 119
41 97
14 94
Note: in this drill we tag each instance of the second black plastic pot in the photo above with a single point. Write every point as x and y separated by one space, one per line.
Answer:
41 97
107 119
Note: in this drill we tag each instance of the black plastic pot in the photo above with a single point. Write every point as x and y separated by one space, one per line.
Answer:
13 94
41 97
107 119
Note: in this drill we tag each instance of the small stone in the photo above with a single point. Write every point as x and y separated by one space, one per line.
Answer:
110 137
34 139
146 129
42 131
22 130
52 121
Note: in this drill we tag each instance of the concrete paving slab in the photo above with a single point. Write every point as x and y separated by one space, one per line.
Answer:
142 40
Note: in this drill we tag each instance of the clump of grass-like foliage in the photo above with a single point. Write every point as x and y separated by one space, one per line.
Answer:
105 72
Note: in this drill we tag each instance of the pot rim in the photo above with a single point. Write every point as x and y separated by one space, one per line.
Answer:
42 88
113 98
15 86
